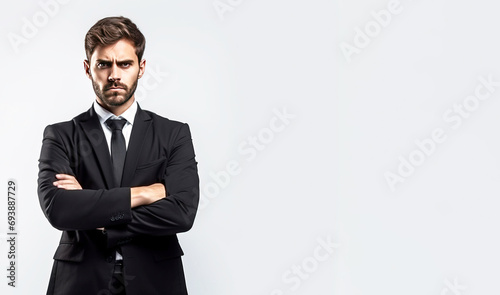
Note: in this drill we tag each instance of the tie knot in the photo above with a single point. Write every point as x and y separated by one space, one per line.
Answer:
116 124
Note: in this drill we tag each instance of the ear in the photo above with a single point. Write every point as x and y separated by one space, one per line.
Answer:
86 66
142 68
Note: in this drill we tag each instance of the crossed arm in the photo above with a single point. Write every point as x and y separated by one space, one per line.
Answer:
141 195
125 212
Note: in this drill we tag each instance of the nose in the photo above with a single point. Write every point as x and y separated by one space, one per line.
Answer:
114 75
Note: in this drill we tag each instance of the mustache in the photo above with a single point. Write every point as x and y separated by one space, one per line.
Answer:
115 84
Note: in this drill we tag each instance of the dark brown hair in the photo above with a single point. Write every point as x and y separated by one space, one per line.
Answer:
110 30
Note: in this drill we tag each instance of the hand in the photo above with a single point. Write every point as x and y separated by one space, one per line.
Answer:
145 195
67 182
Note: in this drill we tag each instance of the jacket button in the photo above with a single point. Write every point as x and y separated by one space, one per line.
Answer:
109 258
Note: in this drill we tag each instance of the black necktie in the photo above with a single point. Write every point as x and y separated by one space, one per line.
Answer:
118 148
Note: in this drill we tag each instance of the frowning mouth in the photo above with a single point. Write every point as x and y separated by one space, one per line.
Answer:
115 88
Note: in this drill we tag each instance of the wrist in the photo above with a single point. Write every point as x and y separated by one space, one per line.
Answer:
137 197
145 195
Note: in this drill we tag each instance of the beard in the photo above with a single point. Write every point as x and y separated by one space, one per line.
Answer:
115 98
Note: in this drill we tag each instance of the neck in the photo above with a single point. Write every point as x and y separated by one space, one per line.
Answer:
116 110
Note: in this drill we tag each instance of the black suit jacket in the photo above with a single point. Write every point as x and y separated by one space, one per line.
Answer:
159 150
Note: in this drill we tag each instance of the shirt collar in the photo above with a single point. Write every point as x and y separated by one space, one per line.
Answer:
104 114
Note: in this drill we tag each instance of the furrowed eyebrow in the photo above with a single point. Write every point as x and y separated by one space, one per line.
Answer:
128 61
103 61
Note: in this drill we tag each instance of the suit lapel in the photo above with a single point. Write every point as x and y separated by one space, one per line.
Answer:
93 130
142 123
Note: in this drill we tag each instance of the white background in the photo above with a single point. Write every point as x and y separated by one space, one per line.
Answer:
323 175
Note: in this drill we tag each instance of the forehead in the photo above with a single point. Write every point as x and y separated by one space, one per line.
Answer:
124 49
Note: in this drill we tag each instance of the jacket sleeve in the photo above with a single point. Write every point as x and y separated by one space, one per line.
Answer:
75 209
176 212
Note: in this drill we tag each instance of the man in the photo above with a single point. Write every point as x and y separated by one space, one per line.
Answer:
119 181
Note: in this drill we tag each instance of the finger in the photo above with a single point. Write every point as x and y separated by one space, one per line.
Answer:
68 186
64 176
64 182
72 188
57 183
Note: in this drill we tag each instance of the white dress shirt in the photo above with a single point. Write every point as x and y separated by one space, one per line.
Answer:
104 115
128 115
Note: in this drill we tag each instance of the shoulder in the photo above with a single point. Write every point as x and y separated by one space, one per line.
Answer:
66 126
175 128
162 120
165 122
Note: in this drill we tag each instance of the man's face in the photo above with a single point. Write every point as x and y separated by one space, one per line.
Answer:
114 71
